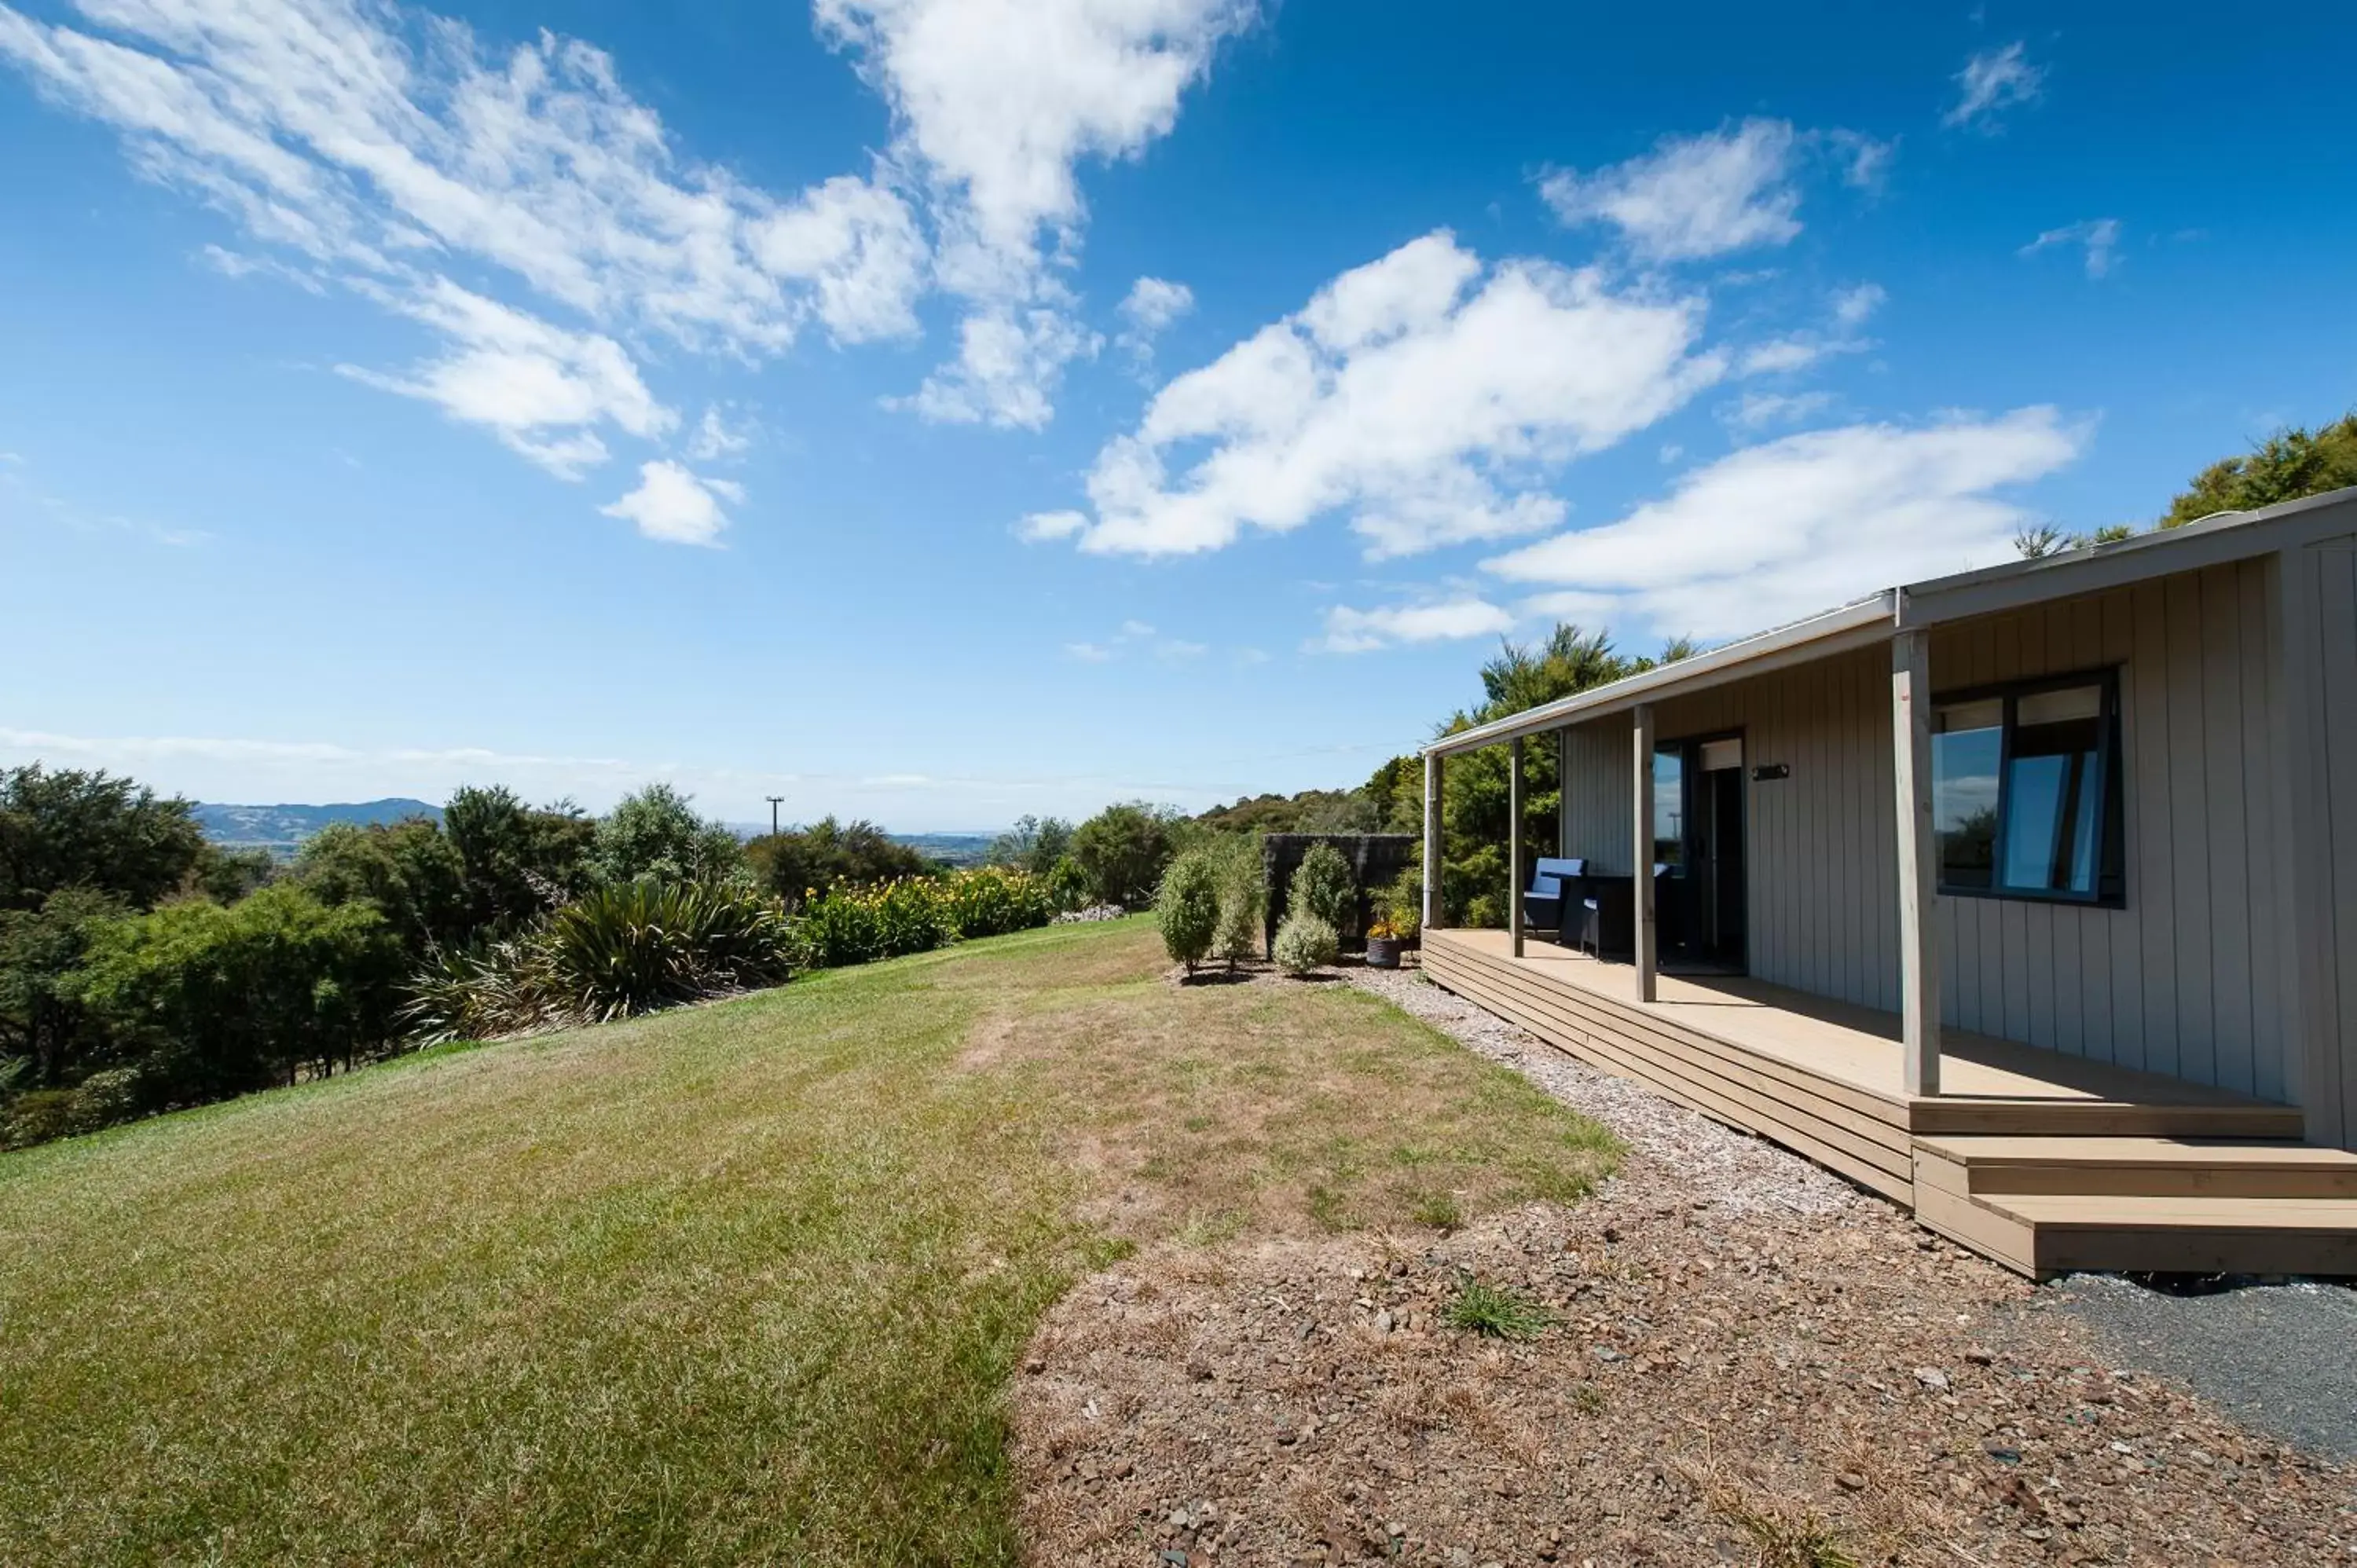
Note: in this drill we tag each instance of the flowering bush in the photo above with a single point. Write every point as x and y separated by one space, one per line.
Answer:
847 925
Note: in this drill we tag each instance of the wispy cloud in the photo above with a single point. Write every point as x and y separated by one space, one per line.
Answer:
359 143
2100 237
1692 195
1991 82
1777 531
1148 310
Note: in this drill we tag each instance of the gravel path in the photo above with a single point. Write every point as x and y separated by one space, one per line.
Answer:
1732 1169
2282 1358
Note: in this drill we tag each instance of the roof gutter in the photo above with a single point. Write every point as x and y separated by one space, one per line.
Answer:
1858 625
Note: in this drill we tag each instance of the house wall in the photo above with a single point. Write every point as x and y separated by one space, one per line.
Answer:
2182 981
2319 587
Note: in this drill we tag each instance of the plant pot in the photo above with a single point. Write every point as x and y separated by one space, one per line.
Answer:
1383 953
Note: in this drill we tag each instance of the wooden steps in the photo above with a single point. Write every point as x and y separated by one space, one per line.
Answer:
2151 1167
2044 1164
2042 1206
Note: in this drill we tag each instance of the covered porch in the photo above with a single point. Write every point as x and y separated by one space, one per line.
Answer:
2072 1077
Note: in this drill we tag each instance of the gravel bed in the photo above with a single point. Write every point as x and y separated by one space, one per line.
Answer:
2281 1357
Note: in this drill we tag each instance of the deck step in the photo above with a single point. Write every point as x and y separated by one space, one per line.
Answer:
2149 1167
2224 1235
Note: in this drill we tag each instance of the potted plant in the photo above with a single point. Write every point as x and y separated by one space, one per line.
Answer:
1383 943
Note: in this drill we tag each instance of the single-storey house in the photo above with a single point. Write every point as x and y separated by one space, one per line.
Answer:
2027 897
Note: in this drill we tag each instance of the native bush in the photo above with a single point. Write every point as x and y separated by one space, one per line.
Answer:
1304 942
1322 886
1123 849
1068 884
614 953
1187 906
228 1000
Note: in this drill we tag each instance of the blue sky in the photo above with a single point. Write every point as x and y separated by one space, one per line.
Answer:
935 410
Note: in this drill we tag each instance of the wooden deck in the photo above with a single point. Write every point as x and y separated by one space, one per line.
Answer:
2040 1160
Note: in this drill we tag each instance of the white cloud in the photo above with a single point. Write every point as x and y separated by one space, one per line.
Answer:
239 264
1853 307
1991 82
1780 356
675 505
1040 527
1421 394
1349 630
996 103
1089 652
540 389
1864 162
2101 236
1756 410
1136 629
1694 196
1778 531
1147 311
717 438
385 149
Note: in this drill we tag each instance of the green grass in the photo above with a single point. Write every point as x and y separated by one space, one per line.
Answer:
1496 1312
736 1283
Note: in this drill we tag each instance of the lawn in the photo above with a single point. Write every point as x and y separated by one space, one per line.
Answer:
738 1283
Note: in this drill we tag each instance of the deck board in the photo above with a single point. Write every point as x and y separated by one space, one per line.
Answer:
1853 1046
2038 1159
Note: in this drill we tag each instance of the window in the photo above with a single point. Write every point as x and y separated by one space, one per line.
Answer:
2026 792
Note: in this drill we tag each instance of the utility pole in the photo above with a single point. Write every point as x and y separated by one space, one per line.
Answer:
774 801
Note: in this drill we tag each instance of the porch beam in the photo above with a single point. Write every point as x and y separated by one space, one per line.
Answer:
1514 846
1432 784
1640 851
1919 951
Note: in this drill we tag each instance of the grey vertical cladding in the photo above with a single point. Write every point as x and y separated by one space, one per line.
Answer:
2329 575
2184 979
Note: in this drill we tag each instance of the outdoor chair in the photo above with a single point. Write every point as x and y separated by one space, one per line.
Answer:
1543 902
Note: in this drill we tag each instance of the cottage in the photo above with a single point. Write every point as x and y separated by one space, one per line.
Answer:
2027 896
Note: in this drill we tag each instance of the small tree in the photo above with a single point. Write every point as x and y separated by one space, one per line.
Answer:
1322 888
1243 895
2286 465
1186 905
656 834
1123 849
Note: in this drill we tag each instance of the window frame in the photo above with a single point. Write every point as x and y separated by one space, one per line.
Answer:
2111 789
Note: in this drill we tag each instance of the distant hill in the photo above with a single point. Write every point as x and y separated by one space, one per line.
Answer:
281 830
950 849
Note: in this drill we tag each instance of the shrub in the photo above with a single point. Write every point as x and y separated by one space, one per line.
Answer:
1323 888
643 945
1186 905
799 864
240 997
1244 897
38 1116
992 900
1068 884
611 953
1304 942
1123 850
1403 905
656 834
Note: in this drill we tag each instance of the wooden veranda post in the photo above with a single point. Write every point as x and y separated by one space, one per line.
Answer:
1640 851
1918 952
1432 841
1514 847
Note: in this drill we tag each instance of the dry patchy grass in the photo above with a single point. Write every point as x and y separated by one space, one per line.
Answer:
741 1283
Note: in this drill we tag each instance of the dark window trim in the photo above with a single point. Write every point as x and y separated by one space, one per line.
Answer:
2110 792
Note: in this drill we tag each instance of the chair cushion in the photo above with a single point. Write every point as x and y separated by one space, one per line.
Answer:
1546 887
1549 866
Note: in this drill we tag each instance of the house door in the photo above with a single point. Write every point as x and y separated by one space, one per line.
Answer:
1701 890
